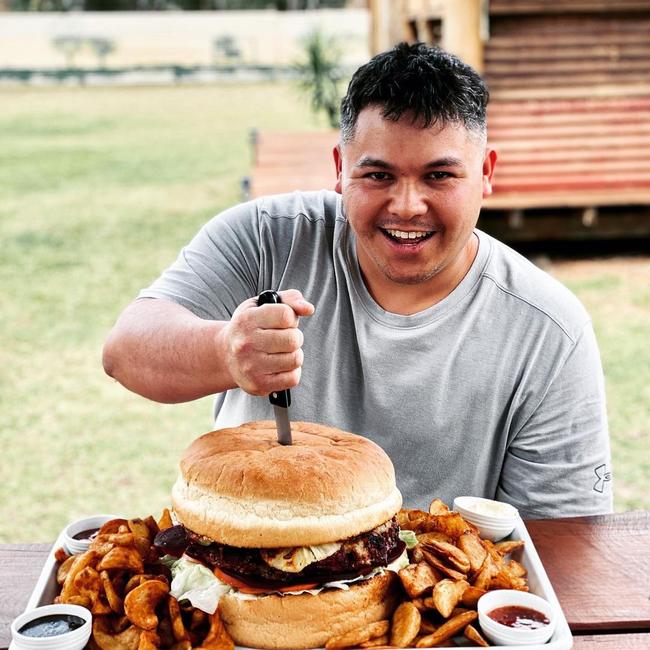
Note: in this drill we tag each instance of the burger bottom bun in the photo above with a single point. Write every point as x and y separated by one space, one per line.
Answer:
306 621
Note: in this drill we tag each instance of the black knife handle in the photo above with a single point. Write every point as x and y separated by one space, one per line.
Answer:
280 397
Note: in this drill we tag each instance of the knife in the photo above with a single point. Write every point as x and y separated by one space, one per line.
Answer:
280 399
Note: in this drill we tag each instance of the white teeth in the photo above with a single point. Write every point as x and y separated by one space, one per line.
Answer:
403 234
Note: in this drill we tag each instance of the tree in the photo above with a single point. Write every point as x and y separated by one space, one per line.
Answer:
102 47
69 46
320 74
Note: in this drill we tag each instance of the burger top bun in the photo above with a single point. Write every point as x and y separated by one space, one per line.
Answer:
240 487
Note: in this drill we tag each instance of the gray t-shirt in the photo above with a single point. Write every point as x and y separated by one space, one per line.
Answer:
495 391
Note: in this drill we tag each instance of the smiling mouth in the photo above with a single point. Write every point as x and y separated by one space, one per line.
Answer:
408 237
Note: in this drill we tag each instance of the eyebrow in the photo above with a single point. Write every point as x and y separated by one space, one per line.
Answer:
367 161
447 161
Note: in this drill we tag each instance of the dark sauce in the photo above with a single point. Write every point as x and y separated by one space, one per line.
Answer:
519 617
89 534
52 625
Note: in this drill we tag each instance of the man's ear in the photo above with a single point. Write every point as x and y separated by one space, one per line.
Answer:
489 162
338 163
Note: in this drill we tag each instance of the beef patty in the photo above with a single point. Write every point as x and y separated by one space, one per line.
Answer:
357 556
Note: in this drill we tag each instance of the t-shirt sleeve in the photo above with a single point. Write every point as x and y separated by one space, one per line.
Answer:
558 463
218 269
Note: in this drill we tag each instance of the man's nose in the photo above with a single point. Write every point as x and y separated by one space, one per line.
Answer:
407 200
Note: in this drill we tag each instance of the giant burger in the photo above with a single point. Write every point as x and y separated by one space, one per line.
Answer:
301 541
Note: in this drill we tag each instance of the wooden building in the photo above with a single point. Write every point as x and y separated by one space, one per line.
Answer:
569 113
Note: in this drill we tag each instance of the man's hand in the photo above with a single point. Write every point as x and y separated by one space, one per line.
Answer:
263 346
165 352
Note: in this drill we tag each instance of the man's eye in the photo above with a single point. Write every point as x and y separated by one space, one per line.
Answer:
438 176
378 176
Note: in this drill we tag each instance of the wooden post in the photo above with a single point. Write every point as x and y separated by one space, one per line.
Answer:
462 23
461 31
381 20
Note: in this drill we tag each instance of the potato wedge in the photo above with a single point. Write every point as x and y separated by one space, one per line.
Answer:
114 600
509 546
139 528
138 578
140 604
471 595
107 639
451 524
405 625
64 568
470 543
217 637
418 578
412 519
112 526
451 555
423 538
438 507
487 572
471 633
447 594
149 640
447 630
165 520
516 569
80 563
178 627
122 557
440 566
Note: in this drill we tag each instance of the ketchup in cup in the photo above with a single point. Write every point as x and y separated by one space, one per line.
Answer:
510 617
519 617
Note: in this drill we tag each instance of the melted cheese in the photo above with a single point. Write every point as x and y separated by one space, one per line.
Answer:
293 560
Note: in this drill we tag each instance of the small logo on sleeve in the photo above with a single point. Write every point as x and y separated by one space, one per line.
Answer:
603 476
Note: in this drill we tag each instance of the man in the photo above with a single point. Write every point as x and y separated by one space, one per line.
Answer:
477 372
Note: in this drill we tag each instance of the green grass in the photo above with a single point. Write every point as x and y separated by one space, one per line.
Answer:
99 188
616 293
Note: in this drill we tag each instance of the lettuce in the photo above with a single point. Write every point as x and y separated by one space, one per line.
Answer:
195 582
409 538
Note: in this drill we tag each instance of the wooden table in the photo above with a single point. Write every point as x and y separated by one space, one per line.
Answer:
599 568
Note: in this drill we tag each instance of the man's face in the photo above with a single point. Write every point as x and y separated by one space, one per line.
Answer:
412 197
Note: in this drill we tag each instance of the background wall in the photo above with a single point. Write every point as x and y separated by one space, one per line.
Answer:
27 40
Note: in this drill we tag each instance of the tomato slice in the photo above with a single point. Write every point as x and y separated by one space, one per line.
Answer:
246 589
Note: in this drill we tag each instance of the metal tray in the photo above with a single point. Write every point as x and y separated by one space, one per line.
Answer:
46 589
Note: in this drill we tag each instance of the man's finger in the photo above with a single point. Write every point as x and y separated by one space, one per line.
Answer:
297 302
273 341
282 381
281 362
274 317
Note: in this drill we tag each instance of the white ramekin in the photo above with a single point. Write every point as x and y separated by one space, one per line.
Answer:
504 635
74 640
74 546
491 526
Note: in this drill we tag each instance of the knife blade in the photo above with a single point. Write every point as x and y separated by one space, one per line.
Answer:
281 399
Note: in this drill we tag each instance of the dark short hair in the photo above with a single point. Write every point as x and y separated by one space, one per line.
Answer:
425 82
